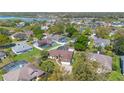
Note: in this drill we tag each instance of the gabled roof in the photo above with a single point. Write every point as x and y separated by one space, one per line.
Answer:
65 56
106 61
26 73
44 42
101 42
20 35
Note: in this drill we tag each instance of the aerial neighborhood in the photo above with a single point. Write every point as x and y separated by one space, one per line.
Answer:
62 47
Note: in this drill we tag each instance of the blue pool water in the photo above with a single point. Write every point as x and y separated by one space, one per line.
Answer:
14 66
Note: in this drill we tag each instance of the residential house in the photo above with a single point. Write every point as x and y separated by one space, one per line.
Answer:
26 73
29 33
44 42
2 55
117 24
19 36
104 61
44 27
61 56
21 47
59 39
20 24
99 42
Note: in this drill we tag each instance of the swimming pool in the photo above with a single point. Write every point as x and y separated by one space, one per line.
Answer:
14 65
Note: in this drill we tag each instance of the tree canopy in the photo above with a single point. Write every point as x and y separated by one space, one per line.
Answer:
57 28
47 66
4 40
83 69
119 46
103 32
82 43
43 55
70 29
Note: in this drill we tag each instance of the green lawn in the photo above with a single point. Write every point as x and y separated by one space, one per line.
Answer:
116 76
116 64
9 28
116 73
29 56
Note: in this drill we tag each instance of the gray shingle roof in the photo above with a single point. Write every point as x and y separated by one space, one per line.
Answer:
101 42
106 61
21 47
2 54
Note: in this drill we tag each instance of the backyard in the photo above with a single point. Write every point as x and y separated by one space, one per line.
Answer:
28 56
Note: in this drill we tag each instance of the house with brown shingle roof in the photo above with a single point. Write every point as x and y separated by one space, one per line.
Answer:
27 73
44 42
61 56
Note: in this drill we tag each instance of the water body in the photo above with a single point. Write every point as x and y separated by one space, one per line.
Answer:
26 19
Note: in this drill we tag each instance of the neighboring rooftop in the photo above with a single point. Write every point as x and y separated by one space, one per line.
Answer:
101 42
2 54
106 61
14 65
21 47
44 42
27 73
20 36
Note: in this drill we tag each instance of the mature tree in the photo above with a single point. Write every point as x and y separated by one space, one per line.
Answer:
59 74
83 69
103 32
43 55
38 33
70 29
119 46
36 28
82 43
4 31
87 31
1 73
57 28
47 66
119 34
4 40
